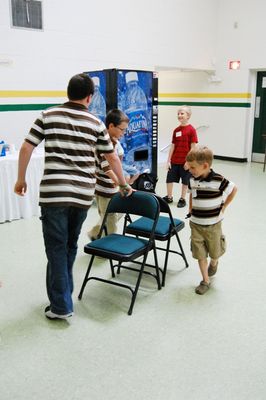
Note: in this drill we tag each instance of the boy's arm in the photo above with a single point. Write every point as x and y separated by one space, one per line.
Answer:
116 166
168 165
112 176
229 198
190 203
105 167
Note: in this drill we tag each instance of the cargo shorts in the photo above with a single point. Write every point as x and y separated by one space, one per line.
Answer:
207 240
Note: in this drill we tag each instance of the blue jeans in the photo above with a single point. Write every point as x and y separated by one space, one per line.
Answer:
61 228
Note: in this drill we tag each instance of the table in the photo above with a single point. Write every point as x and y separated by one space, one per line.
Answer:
13 206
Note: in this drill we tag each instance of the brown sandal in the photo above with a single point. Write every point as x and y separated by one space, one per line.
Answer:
202 288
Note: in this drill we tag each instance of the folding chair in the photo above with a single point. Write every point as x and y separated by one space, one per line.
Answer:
126 248
166 227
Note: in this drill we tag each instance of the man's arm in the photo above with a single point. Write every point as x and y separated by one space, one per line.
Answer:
116 166
23 161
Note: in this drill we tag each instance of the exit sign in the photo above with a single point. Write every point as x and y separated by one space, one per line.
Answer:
234 64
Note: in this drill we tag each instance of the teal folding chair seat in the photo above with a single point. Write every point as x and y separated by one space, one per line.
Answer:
125 248
166 228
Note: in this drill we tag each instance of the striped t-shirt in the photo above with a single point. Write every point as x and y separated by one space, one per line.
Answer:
208 196
72 136
105 187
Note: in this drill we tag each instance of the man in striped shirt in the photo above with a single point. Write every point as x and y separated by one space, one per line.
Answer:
71 138
210 194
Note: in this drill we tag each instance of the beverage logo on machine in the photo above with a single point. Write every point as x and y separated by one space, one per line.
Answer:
137 123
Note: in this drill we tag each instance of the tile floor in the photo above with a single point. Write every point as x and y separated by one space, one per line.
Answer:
176 345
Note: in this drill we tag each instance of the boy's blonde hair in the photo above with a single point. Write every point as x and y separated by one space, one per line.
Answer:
200 154
185 108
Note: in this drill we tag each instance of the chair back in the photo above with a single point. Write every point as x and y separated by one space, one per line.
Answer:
140 203
164 207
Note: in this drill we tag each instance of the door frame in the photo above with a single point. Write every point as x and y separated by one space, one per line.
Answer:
257 145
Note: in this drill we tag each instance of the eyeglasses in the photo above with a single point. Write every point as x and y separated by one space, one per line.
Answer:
121 129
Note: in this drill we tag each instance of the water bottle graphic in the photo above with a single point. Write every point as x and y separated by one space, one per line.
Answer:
136 107
97 106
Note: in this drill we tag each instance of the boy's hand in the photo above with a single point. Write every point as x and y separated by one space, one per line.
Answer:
126 190
168 165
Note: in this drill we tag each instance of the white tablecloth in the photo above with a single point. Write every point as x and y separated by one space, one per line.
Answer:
13 206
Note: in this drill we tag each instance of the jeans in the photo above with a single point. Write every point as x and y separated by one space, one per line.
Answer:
61 228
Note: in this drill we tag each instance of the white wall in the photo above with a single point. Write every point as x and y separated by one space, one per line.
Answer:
223 129
81 35
239 34
173 34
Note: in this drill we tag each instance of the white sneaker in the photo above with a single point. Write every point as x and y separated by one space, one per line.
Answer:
50 315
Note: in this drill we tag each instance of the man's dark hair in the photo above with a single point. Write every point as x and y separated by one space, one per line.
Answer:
115 117
79 87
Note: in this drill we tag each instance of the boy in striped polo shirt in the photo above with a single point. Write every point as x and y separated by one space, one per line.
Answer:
106 180
210 194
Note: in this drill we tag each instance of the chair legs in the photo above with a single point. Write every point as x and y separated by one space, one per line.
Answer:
86 278
155 266
165 261
157 269
112 268
167 250
182 251
134 291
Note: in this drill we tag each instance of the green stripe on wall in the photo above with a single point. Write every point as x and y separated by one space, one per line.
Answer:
33 107
203 104
24 107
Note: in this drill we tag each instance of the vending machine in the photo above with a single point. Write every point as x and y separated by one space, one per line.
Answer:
134 92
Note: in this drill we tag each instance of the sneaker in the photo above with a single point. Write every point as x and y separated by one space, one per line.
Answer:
168 199
212 269
50 315
202 288
181 202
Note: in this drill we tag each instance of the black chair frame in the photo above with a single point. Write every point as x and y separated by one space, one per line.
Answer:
127 207
173 231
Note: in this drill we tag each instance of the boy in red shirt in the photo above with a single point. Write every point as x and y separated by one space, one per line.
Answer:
183 139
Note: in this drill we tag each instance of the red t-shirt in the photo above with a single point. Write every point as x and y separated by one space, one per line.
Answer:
182 138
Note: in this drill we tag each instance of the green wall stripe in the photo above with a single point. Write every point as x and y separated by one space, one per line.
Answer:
32 107
24 107
203 104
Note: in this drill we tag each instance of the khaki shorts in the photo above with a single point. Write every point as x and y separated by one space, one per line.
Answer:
207 241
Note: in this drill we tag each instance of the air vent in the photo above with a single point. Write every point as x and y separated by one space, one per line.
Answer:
27 14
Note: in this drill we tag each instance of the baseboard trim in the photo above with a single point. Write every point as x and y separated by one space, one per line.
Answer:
230 158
